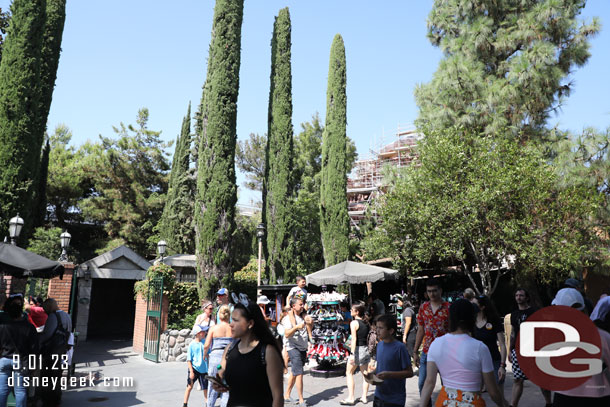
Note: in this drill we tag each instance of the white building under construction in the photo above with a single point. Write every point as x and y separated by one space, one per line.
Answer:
365 183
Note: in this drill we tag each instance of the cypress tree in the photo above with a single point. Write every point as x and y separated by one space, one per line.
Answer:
334 220
176 222
51 48
216 184
277 189
20 141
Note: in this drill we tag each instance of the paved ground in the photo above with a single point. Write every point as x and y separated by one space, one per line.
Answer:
115 364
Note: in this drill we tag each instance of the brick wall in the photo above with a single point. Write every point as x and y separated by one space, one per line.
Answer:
139 325
60 289
12 285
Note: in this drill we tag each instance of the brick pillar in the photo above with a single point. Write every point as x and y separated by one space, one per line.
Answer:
60 289
12 285
139 325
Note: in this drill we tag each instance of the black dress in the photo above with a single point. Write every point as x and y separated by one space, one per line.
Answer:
246 375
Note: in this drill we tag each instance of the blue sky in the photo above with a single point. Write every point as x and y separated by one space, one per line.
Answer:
121 55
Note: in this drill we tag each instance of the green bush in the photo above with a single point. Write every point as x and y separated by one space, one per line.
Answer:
183 303
155 271
187 322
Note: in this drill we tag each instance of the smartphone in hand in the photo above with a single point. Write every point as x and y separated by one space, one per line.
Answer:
217 381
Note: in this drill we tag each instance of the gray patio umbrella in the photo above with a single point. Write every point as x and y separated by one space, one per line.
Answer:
17 262
350 272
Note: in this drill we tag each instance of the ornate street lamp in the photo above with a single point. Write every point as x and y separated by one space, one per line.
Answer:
161 248
65 242
14 228
260 233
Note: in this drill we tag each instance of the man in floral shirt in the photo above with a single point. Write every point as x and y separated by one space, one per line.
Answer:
433 321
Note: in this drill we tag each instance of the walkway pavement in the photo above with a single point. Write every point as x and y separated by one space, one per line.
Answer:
123 378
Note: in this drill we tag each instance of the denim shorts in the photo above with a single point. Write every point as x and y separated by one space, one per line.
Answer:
361 356
198 378
298 358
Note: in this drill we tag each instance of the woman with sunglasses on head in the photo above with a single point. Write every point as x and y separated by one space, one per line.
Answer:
205 318
252 366
218 338
489 329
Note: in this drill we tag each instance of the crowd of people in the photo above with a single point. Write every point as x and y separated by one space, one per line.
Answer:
36 340
463 342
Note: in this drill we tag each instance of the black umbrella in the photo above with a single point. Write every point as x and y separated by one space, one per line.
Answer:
17 262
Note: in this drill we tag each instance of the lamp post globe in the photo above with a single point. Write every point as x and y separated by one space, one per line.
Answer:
260 230
65 242
161 246
14 228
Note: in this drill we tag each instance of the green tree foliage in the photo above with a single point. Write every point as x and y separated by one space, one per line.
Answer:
250 158
68 181
334 220
490 202
20 143
277 185
216 186
5 19
129 175
506 63
45 242
176 225
51 48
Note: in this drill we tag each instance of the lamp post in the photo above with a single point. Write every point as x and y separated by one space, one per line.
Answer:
14 228
161 248
260 233
65 242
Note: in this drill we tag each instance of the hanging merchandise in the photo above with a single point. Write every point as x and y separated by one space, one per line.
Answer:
328 336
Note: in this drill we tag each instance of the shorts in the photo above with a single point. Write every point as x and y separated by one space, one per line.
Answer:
199 377
517 372
298 358
361 356
377 402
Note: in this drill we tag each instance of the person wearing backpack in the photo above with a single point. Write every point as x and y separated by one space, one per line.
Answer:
53 347
17 337
251 366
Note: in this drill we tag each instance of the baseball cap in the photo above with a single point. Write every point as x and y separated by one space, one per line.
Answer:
199 328
263 300
602 309
572 283
570 297
222 291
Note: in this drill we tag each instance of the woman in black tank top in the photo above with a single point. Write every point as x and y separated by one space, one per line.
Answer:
252 366
360 357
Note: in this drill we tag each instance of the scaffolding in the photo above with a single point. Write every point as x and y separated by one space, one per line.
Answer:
365 183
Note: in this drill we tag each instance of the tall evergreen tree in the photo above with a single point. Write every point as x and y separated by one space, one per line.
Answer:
506 63
334 220
216 185
277 185
20 141
176 223
51 48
